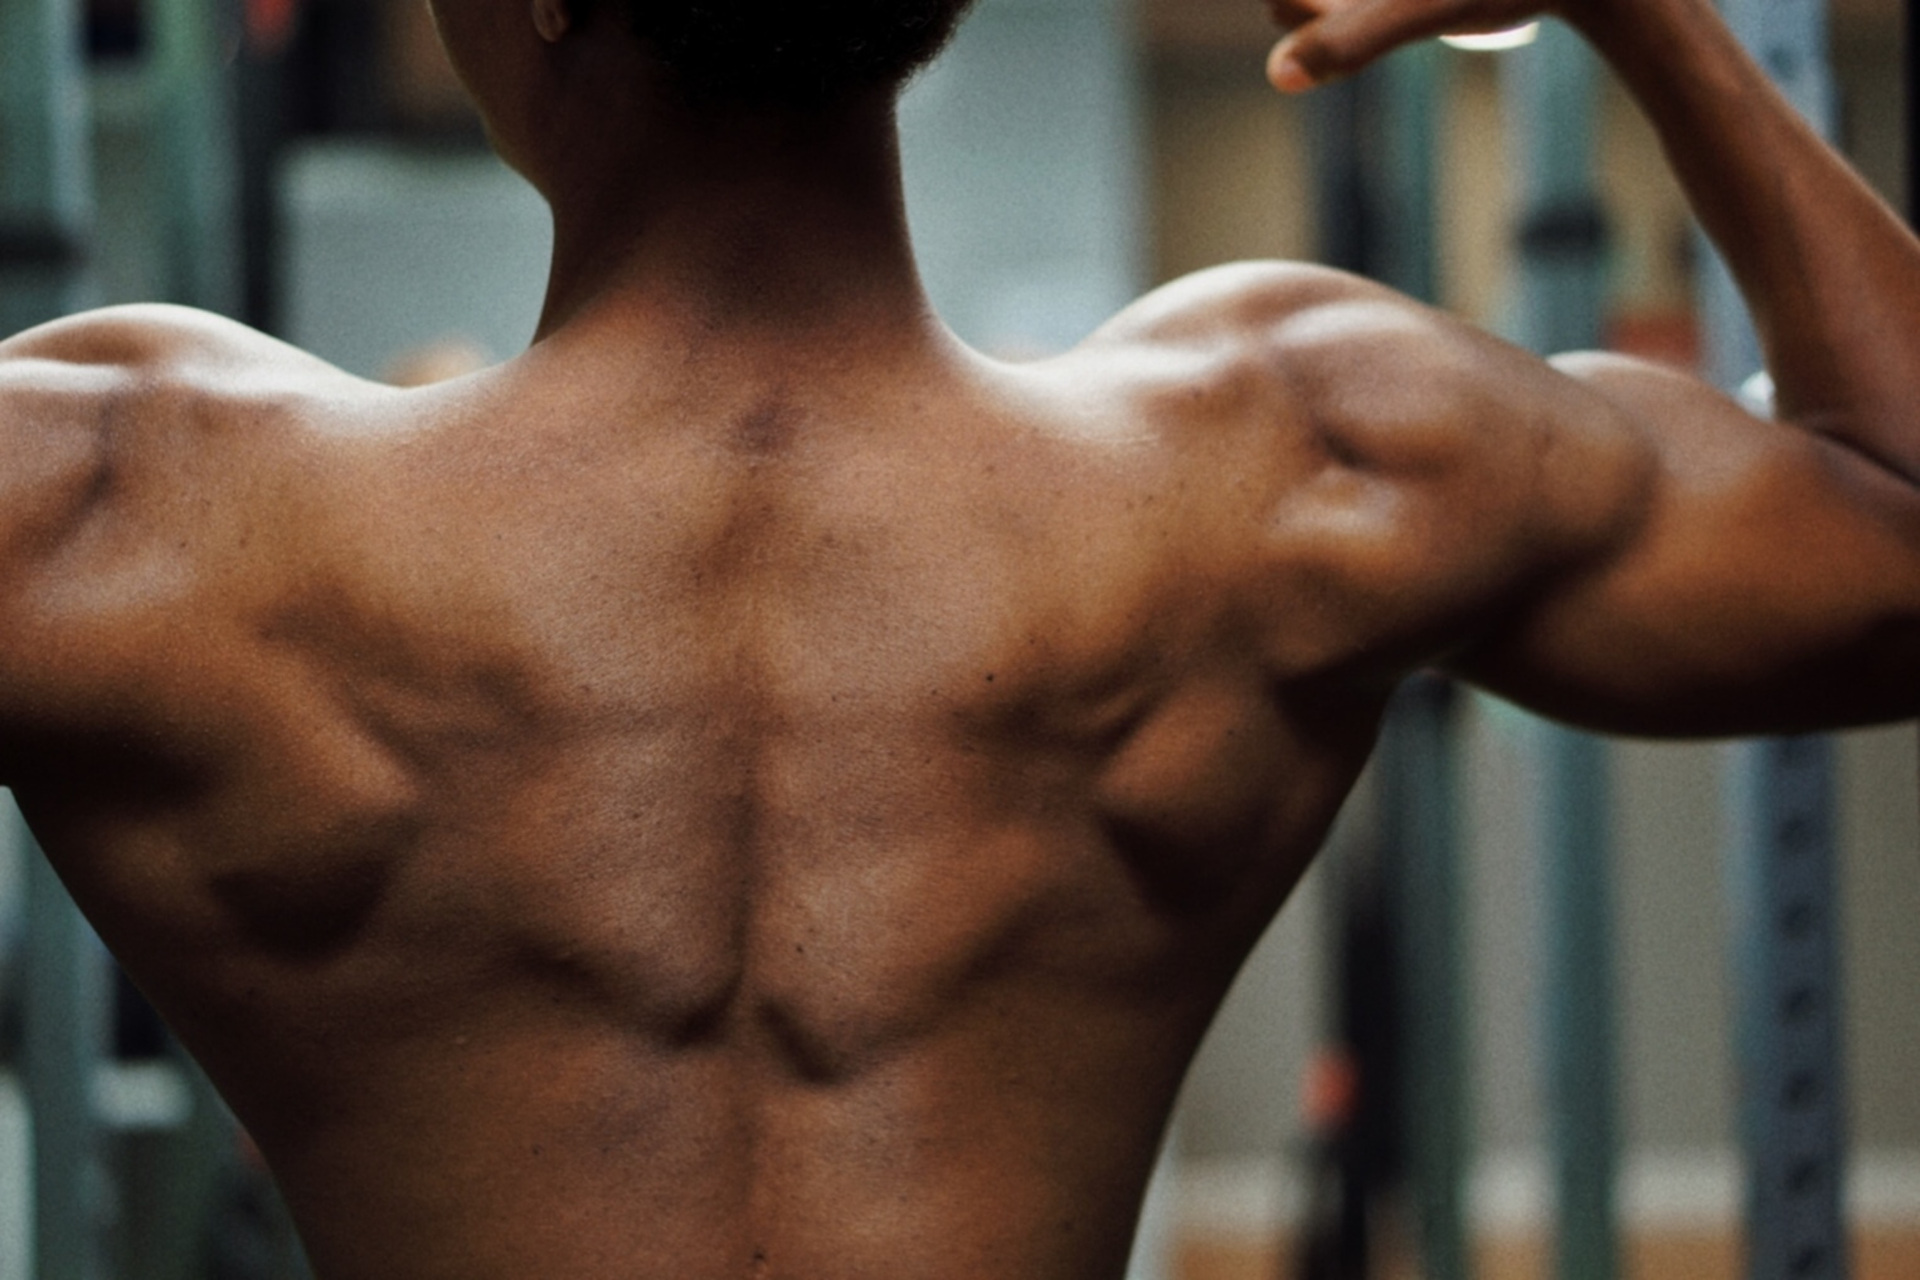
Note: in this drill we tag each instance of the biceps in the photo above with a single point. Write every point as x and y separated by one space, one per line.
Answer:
1773 584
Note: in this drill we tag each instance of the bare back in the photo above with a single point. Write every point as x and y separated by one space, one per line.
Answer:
752 790
710 827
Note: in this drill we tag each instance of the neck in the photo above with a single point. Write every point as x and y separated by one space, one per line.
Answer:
791 226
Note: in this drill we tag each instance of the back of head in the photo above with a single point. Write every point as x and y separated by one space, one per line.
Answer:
791 54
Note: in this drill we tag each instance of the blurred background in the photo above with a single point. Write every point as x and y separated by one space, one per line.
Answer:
312 167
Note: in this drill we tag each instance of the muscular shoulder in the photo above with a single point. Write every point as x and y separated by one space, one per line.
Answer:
1210 355
114 430
87 402
150 348
1383 379
1436 473
1386 387
148 358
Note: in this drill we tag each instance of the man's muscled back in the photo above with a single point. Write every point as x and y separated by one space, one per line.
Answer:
752 789
720 816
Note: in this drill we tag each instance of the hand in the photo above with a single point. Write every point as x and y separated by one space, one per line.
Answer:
1332 38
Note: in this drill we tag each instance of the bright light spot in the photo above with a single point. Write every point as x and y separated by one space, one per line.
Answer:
1495 41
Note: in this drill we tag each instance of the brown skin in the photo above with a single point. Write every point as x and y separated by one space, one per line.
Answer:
752 789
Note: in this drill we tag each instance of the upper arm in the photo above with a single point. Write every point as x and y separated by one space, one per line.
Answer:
1768 581
1605 541
56 451
79 398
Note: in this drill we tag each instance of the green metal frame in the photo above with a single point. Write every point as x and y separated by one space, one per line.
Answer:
1781 855
1419 766
45 182
1792 1095
1375 142
194 84
66 1022
192 78
1580 1014
45 206
1550 92
1421 770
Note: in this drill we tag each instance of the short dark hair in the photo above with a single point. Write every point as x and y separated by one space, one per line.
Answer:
792 53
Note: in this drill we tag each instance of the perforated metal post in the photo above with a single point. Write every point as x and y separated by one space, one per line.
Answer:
1550 90
1791 1106
1786 974
1789 39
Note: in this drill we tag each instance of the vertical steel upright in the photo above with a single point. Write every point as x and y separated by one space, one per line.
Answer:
1421 769
1410 93
1787 1008
45 204
1374 140
1363 1159
193 79
1789 39
193 76
65 1039
1550 91
1782 852
45 185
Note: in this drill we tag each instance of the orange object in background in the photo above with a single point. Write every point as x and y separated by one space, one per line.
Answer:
270 25
1330 1091
1670 337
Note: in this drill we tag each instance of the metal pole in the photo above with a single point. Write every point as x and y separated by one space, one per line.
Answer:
1580 1014
45 204
194 83
1792 1097
194 74
1422 769
1374 142
64 1041
1362 1160
45 190
1791 1104
1410 92
1550 90
1789 39
1419 805
1344 209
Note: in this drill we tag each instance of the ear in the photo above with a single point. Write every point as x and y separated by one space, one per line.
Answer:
552 19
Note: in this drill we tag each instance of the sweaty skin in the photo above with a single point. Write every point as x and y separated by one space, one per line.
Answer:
753 789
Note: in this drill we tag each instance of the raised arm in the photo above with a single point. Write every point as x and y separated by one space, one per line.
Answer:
1746 575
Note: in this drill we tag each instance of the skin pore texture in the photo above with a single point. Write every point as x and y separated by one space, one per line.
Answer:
751 788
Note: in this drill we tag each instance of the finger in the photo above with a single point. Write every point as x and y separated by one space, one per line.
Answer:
1343 41
1288 14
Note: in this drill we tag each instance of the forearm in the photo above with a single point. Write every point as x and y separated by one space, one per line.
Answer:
1829 271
